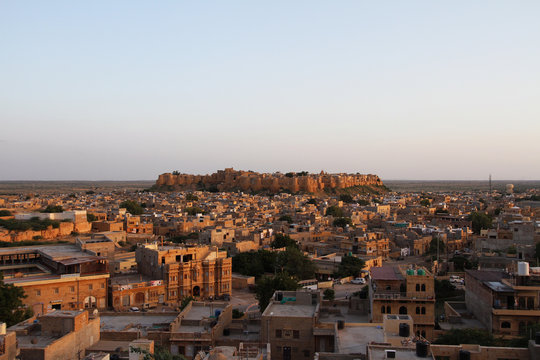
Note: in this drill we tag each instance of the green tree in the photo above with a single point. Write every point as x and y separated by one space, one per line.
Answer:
433 246
194 210
237 314
34 223
444 289
363 202
466 336
53 209
12 310
5 213
90 217
283 241
312 201
286 218
342 222
132 207
266 286
191 197
329 294
350 266
185 302
293 261
248 263
254 263
480 221
346 198
362 293
425 202
335 211
160 353
461 263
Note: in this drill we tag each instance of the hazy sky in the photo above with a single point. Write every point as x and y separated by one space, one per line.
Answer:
403 89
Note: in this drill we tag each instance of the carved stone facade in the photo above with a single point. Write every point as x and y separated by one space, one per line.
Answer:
232 180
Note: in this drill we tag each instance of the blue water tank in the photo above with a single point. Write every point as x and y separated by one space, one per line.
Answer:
217 313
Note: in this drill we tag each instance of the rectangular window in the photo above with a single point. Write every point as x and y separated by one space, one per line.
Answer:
296 334
72 288
90 287
38 292
102 285
56 290
278 334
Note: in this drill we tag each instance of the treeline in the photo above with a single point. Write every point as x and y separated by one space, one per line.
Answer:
281 270
34 223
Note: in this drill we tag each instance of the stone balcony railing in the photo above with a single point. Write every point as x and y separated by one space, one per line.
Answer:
400 295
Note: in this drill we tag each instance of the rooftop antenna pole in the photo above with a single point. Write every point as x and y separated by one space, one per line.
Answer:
490 184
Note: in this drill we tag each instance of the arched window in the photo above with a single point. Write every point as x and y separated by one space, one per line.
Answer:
423 310
388 309
506 325
417 287
403 310
418 310
382 309
423 287
388 287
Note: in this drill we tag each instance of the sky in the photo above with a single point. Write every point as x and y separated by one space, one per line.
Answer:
127 90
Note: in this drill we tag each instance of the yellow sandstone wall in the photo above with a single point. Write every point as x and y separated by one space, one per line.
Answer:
229 179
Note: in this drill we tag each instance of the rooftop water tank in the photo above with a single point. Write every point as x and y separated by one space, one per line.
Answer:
421 349
420 272
464 355
523 268
404 330
410 272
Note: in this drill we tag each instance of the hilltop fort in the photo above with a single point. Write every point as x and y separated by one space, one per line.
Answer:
249 181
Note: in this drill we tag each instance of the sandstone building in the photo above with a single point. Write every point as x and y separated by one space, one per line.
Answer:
396 290
290 323
59 277
199 271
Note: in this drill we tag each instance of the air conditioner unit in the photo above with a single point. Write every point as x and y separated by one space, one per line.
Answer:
390 354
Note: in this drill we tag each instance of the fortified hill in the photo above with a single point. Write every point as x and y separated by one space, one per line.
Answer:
249 181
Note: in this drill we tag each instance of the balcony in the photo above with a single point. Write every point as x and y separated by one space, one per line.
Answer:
516 310
400 296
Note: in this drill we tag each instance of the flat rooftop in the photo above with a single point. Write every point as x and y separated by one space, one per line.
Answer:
136 321
354 339
498 286
289 309
63 313
199 312
109 346
386 273
35 340
129 279
379 354
56 252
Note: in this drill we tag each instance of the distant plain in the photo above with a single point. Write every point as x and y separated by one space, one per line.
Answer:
29 187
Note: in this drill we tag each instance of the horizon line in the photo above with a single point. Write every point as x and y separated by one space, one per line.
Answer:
152 180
